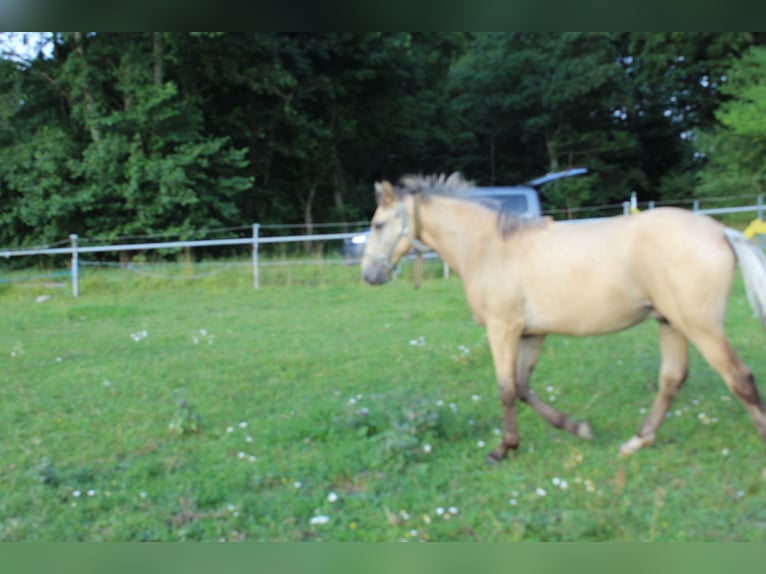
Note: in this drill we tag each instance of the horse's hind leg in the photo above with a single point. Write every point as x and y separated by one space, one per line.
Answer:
737 375
526 358
674 348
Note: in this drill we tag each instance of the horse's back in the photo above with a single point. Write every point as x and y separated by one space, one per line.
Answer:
607 275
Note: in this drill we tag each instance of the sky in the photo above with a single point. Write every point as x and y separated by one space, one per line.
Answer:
24 46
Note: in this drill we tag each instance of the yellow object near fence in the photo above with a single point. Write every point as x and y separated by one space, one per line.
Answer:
756 227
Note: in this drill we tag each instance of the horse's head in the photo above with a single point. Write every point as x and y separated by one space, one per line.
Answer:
389 237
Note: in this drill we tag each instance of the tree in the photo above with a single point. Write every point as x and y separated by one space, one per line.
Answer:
126 150
734 150
542 102
676 80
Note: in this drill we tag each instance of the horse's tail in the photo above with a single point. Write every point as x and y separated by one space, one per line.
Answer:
752 263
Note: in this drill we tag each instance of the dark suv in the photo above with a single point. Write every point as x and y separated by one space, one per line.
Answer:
522 200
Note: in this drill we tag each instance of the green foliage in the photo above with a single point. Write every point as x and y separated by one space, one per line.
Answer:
115 134
734 150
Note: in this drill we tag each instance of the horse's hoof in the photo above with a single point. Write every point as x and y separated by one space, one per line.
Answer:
635 443
493 458
584 430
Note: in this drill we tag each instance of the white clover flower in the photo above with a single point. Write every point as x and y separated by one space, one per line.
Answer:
513 501
439 511
475 398
452 510
241 454
243 425
319 519
297 484
332 497
229 429
251 458
725 451
248 439
540 492
91 492
426 448
76 493
142 494
556 481
480 444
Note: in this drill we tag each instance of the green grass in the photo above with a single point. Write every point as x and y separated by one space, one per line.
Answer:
125 415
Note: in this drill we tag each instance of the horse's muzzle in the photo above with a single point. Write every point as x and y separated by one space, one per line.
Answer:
375 273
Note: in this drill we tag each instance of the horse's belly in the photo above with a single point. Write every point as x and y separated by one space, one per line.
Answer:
586 316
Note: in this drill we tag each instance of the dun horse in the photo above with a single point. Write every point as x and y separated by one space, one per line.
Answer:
524 279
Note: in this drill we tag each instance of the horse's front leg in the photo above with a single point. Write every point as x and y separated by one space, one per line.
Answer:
504 342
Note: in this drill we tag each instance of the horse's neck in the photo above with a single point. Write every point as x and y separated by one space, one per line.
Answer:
453 227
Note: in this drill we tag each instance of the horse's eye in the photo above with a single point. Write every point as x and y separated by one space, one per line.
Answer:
378 225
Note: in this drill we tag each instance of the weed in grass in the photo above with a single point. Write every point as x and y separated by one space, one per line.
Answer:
186 420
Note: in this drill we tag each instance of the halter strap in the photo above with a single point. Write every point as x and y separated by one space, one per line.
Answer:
417 244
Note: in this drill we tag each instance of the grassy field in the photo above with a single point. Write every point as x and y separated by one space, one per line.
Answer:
319 408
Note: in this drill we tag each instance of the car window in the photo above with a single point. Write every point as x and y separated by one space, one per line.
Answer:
514 203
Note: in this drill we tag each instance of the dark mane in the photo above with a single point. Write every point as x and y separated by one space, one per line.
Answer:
456 186
436 184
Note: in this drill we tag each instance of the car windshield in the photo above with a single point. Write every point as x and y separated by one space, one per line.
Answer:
514 203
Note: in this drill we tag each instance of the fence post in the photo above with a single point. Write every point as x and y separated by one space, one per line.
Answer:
75 266
696 205
445 270
256 233
626 208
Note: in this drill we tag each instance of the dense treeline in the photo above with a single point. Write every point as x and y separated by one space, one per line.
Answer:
121 134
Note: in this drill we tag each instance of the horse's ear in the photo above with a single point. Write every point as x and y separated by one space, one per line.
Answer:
384 193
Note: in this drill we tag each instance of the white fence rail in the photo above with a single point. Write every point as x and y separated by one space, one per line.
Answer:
75 250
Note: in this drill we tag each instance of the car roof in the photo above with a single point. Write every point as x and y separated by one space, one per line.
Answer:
502 190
